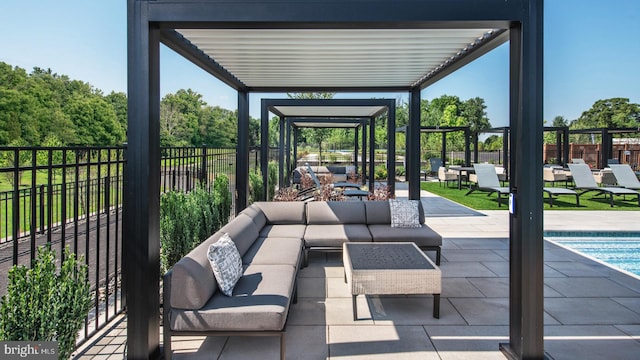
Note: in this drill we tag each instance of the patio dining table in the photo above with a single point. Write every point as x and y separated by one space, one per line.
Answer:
460 170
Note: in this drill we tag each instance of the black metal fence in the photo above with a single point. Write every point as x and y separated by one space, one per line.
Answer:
72 197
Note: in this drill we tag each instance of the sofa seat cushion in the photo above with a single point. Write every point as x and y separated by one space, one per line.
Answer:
282 231
274 251
423 236
260 302
335 235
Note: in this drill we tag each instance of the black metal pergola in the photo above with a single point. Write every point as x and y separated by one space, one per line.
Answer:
332 113
332 46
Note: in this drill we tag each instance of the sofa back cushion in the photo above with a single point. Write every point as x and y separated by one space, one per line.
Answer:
192 280
243 231
256 215
283 212
336 212
379 212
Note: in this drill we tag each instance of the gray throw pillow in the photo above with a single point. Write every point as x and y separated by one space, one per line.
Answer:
226 263
404 213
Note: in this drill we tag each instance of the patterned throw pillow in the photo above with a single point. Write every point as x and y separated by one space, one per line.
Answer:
226 263
404 213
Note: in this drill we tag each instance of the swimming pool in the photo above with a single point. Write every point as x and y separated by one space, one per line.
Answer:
618 249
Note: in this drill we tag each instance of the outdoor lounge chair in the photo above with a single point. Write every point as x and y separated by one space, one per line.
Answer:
488 181
625 176
584 180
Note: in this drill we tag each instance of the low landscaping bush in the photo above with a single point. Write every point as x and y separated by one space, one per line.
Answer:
42 304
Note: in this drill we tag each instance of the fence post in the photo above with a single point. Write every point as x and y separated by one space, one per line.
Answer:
203 166
16 203
41 209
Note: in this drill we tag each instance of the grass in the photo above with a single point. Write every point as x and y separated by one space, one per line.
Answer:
480 201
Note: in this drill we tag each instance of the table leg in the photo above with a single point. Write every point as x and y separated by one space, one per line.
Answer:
436 306
459 180
355 308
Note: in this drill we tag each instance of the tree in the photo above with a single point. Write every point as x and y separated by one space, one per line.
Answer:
473 110
95 121
119 102
610 113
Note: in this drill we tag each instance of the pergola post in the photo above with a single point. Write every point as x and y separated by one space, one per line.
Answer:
526 285
505 149
288 147
391 148
565 152
356 131
372 154
282 149
364 152
296 133
141 238
444 147
605 154
467 147
242 153
264 149
412 145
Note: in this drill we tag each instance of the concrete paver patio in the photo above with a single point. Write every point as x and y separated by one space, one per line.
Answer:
591 310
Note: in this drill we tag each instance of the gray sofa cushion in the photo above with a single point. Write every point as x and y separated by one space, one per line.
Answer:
288 231
424 236
378 212
290 212
335 212
243 231
260 302
335 235
192 280
274 251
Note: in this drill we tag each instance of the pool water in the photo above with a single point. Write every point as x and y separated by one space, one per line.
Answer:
620 251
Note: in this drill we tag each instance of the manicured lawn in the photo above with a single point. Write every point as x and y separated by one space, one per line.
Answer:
480 201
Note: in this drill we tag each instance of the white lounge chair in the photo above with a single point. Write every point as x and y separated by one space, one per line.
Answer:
584 180
488 181
625 176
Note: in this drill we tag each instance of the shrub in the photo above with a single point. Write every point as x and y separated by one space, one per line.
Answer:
41 305
223 198
400 171
272 174
255 186
380 172
186 220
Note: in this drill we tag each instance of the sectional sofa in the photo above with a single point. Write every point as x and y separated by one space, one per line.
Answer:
273 239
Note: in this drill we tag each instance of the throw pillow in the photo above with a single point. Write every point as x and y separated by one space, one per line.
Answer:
404 213
226 263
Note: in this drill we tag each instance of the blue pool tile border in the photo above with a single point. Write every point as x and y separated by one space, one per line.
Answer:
591 233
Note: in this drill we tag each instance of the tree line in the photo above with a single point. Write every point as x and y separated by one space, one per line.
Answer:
42 108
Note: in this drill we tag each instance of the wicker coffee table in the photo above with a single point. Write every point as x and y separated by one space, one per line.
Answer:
390 268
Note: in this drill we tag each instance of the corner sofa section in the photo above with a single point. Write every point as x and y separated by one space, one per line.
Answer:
273 239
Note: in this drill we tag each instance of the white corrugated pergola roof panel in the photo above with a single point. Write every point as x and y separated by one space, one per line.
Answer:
329 111
332 57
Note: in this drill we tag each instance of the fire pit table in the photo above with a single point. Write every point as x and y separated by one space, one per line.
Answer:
390 268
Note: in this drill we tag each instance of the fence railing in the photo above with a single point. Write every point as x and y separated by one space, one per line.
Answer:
72 197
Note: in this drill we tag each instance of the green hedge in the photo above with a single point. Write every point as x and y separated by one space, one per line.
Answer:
188 219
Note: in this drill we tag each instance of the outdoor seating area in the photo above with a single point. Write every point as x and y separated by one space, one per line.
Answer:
473 304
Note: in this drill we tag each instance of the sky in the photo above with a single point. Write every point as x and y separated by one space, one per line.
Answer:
591 52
